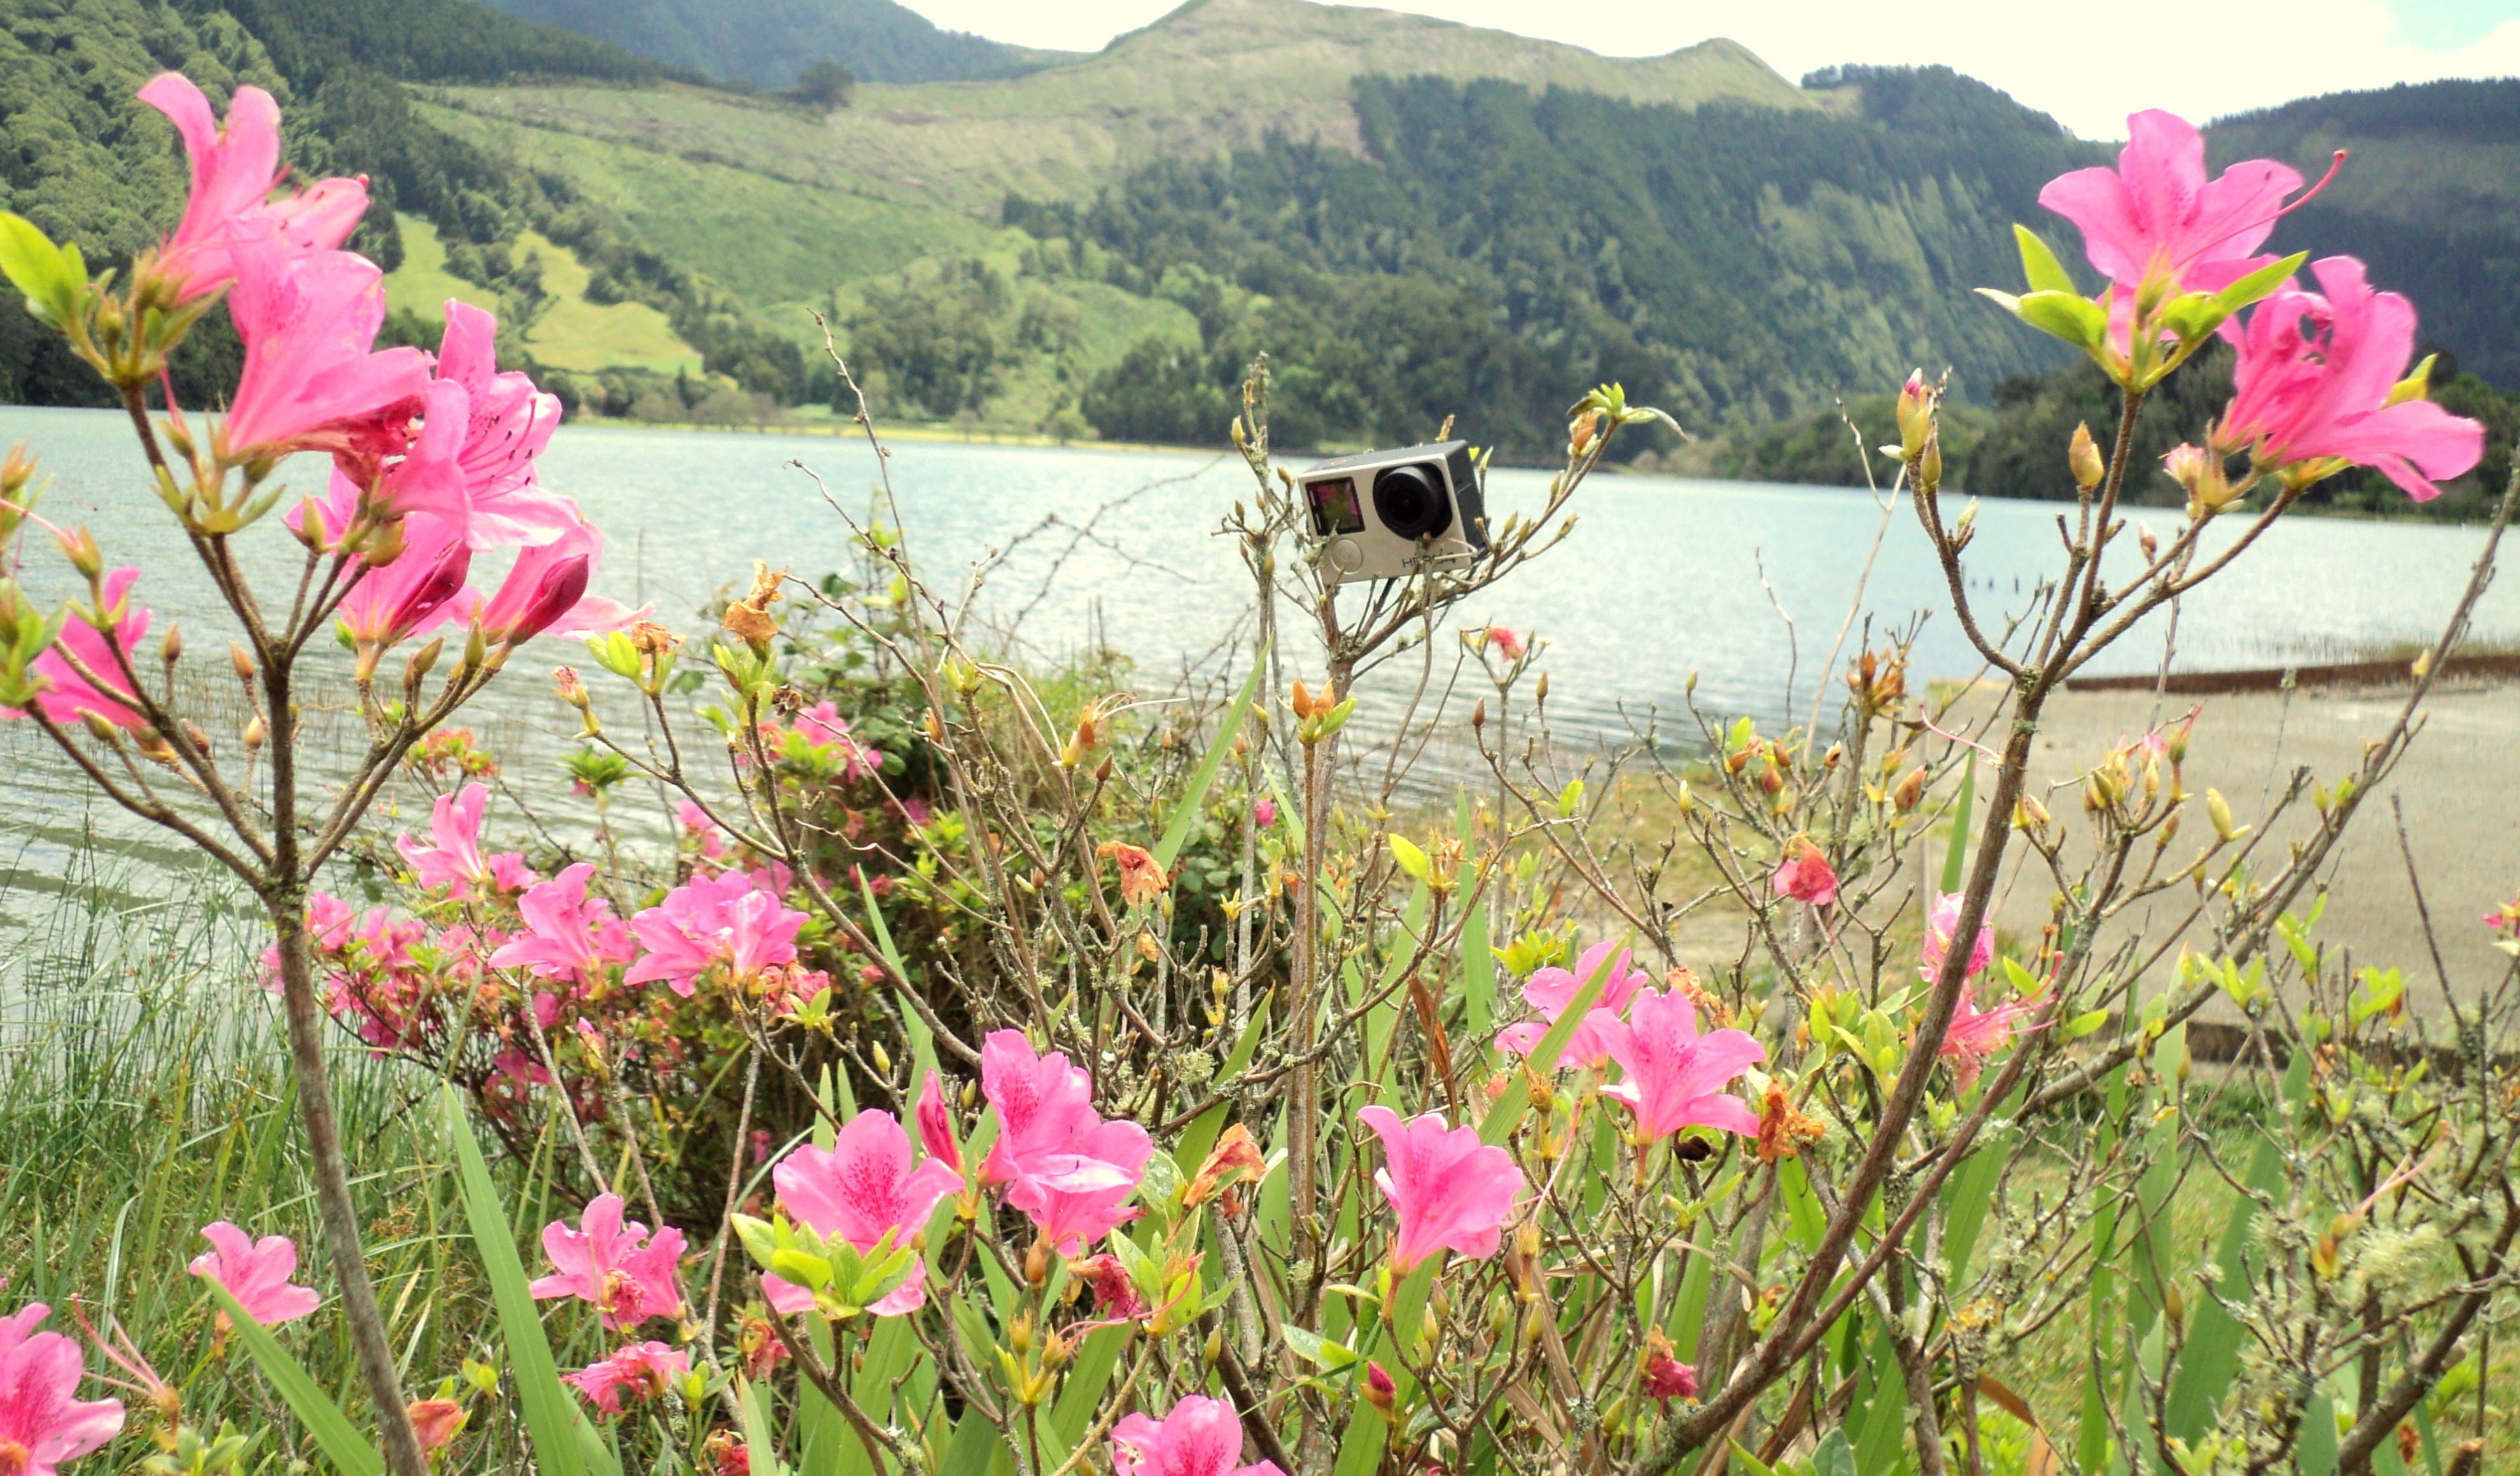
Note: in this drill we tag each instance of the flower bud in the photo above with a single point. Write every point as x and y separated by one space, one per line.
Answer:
422 660
2218 811
1478 714
2145 540
1833 757
1300 699
171 650
1379 1391
242 660
2090 467
254 734
1540 693
1916 415
1910 790
1036 1274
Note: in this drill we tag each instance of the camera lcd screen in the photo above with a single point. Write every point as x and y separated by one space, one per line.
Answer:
1335 508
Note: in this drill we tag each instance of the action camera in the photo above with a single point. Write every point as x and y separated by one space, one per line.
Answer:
1386 514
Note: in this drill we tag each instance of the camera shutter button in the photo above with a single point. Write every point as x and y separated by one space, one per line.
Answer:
1345 555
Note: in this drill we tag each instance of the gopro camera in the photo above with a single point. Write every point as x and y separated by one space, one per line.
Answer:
1386 514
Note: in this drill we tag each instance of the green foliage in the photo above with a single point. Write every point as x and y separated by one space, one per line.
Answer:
2427 199
935 339
1818 450
2023 454
775 43
426 41
1156 392
1738 263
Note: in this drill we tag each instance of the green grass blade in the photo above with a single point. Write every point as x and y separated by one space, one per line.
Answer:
760 1435
551 1413
1185 812
1956 855
350 1453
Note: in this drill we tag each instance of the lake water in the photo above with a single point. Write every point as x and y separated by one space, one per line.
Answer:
1662 579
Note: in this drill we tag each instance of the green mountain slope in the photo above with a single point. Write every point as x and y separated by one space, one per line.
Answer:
2429 196
768 42
1224 74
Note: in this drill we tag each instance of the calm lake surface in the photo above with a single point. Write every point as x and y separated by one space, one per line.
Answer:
1662 579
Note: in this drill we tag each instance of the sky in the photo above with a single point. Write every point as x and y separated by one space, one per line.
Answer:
2089 65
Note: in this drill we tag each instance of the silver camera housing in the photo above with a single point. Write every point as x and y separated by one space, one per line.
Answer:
1387 515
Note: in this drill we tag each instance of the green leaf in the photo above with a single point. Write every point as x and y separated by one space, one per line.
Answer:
1361 1447
2069 316
1749 1462
2084 1024
2259 284
333 1433
1412 860
40 270
760 1433
2038 266
1314 1347
551 1414
1186 809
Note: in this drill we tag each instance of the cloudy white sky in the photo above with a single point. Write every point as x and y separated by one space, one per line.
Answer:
2088 64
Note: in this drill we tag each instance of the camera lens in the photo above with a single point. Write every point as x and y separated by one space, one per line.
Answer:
1411 501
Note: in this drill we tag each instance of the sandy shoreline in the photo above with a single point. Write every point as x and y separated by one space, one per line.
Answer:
2456 786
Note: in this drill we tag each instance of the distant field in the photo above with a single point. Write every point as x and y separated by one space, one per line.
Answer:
574 333
421 283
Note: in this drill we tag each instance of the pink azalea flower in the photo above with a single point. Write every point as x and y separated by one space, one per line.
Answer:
1977 1034
606 1264
64 693
545 591
1805 875
1508 644
1071 1172
455 861
1675 1076
310 380
936 1125
255 1273
712 922
413 595
506 424
1070 1219
1202 1437
1263 814
1447 1189
41 1422
568 936
234 170
640 1370
1550 990
697 828
1941 923
861 1190
2155 216
2317 377
1045 1108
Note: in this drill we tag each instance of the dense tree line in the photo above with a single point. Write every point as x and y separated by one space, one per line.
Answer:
1737 265
771 43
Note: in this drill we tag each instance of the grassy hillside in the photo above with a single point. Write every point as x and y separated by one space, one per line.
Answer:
2430 196
768 42
1224 74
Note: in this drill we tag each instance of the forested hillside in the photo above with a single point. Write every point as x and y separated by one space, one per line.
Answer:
1735 264
769 42
2429 196
1414 219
